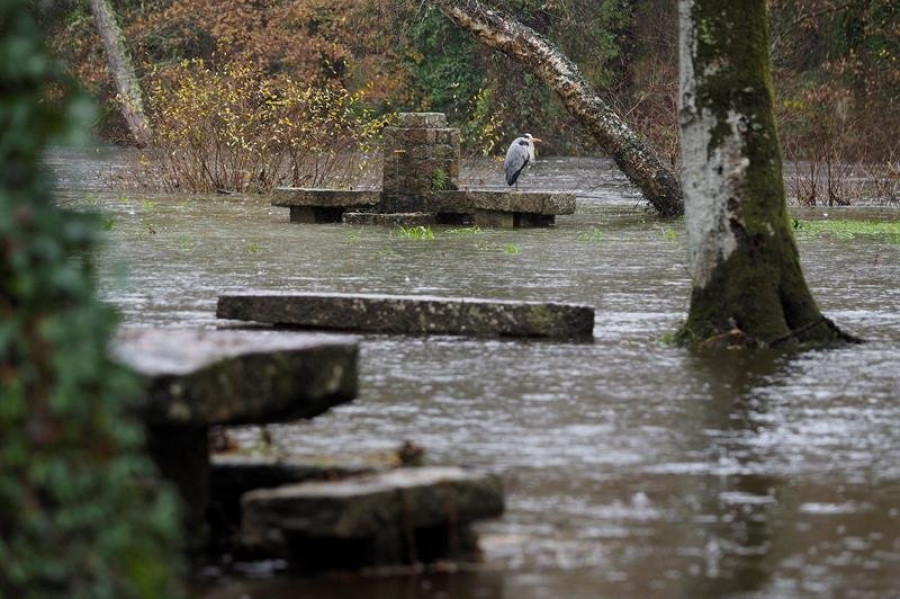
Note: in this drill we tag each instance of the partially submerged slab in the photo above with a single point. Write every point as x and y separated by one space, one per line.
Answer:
312 206
195 379
402 516
411 314
307 196
493 208
549 203
234 474
204 378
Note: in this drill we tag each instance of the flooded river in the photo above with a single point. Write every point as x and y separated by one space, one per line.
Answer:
633 468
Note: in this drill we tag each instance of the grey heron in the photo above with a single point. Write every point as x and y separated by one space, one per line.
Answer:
519 155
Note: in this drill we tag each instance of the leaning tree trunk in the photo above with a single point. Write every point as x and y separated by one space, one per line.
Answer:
122 71
632 155
747 282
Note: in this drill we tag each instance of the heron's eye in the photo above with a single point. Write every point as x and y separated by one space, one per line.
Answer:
523 143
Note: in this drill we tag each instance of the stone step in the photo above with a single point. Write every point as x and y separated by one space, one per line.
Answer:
205 378
195 379
234 474
403 516
411 314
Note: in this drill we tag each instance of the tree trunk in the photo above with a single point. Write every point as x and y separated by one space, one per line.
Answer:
659 184
122 71
748 287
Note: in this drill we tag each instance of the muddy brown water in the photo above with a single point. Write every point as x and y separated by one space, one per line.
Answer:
633 468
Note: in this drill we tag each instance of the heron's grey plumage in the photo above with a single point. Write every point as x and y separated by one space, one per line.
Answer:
519 155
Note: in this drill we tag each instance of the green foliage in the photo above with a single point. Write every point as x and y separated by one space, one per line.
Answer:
442 60
481 132
419 233
594 236
239 128
849 229
439 179
82 514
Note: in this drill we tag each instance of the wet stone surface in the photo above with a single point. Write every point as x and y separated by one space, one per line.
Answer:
399 517
203 378
233 475
195 379
412 314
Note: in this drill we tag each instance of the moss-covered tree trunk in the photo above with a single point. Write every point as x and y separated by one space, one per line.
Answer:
748 286
122 71
630 152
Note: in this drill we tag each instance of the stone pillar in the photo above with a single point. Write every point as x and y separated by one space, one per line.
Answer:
421 155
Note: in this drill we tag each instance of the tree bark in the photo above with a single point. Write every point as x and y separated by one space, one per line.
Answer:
632 155
748 287
122 71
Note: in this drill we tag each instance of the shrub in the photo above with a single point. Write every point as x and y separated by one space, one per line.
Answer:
81 511
239 128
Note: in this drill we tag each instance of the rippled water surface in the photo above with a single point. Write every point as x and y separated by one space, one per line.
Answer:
633 468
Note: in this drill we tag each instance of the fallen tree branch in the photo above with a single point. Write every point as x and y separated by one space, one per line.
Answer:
524 45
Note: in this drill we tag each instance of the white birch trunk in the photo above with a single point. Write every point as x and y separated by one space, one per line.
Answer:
748 287
712 175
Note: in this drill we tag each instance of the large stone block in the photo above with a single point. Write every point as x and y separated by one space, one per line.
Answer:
551 203
287 197
195 379
233 475
412 314
205 378
403 516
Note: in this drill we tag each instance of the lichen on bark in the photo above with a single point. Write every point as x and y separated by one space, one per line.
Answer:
748 286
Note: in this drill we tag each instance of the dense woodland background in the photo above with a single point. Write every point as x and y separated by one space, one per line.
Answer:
837 68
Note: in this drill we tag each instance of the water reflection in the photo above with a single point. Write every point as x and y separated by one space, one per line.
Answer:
737 507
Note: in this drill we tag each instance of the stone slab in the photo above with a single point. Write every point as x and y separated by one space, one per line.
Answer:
287 197
548 203
195 378
360 506
411 314
234 474
393 219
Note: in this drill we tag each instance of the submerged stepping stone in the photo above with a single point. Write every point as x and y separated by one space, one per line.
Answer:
193 380
403 516
411 314
234 474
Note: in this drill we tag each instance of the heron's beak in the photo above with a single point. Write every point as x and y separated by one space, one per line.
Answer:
536 139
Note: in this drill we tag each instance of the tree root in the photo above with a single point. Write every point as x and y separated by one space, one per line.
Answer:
738 339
